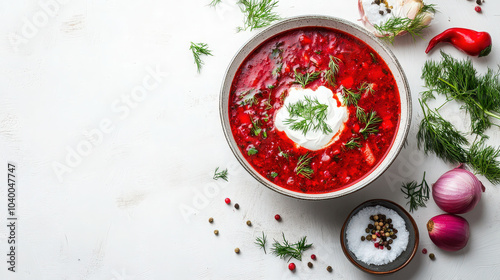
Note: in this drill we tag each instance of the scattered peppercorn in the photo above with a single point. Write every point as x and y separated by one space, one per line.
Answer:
478 9
227 200
249 223
210 220
313 256
277 217
291 266
329 268
479 2
237 206
363 238
432 256
310 264
424 251
237 250
216 232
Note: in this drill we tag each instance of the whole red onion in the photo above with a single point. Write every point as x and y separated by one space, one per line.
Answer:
449 232
457 191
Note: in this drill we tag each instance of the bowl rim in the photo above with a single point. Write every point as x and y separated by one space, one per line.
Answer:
376 171
415 247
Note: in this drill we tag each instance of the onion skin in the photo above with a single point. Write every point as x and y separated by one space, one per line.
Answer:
449 232
457 191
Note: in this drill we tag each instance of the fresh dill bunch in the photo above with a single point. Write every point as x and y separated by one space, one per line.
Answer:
304 166
352 143
305 79
437 135
220 174
458 80
289 250
198 50
418 194
484 160
214 3
333 69
258 13
261 242
392 27
350 97
308 114
372 121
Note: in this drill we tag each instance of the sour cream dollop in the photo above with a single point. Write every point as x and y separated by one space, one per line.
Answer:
313 140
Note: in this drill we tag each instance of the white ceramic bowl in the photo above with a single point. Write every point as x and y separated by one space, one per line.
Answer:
347 27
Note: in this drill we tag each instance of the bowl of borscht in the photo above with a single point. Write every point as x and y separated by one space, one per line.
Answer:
315 107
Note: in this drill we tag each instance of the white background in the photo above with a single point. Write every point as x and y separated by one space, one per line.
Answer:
136 205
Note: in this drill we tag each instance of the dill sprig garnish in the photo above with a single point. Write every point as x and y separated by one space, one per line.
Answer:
350 97
199 50
484 160
305 79
458 80
220 174
261 242
392 27
255 127
437 135
366 87
308 114
214 3
248 98
372 122
258 13
283 154
352 143
304 166
289 250
418 194
333 69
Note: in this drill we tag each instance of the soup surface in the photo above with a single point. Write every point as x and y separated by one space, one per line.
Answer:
314 110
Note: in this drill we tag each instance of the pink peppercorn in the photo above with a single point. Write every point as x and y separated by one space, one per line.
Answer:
424 251
277 217
478 9
227 200
313 256
291 266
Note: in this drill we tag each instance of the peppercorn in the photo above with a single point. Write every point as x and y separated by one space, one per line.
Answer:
388 247
237 206
424 251
329 268
277 217
310 264
388 11
313 256
249 223
479 2
370 226
478 9
368 237
291 266
374 236
216 232
390 241
394 236
395 231
432 256
387 234
227 200
237 250
363 238
381 12
373 231
372 218
375 217
389 221
210 220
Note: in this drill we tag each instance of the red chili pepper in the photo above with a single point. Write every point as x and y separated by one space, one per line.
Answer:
469 41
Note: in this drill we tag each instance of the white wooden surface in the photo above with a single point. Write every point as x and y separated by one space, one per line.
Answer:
135 204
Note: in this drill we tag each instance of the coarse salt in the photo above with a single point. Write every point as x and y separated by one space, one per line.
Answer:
365 251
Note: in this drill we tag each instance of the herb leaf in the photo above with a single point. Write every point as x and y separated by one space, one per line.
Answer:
350 97
261 242
252 151
214 3
352 144
286 249
484 160
333 69
258 13
418 194
305 79
372 122
220 174
199 50
437 135
308 115
304 166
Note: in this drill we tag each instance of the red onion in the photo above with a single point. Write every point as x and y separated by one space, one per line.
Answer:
449 232
457 191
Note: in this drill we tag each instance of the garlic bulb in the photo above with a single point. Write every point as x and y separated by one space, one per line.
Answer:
391 18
